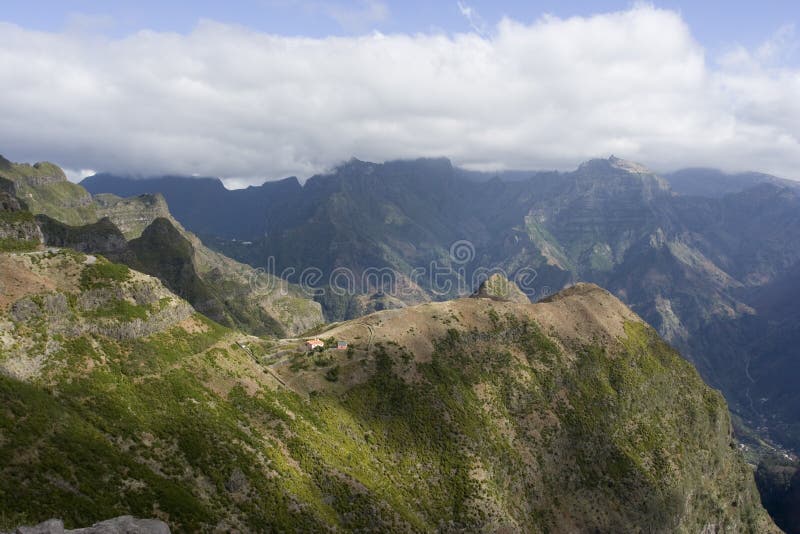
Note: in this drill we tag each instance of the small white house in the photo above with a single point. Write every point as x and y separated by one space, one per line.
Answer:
312 344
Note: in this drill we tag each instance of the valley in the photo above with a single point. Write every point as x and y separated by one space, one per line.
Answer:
699 265
127 340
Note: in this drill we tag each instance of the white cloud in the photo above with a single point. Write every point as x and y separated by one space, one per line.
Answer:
232 102
76 176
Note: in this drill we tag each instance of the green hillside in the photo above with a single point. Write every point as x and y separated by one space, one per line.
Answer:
466 415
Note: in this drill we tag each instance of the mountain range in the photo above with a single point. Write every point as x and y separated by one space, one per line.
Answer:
146 373
140 232
478 414
708 259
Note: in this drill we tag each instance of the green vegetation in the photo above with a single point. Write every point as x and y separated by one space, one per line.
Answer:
121 310
502 426
104 274
332 374
45 190
9 244
12 217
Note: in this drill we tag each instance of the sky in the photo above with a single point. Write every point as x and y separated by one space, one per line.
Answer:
261 89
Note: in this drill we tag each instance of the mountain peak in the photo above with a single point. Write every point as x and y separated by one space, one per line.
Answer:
614 162
38 174
498 287
630 166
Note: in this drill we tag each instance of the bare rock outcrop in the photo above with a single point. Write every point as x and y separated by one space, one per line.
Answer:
119 525
498 287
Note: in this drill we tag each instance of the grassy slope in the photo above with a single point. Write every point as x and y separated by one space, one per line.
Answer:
221 288
501 426
45 189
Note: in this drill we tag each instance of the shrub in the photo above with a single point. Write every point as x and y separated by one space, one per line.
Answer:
101 274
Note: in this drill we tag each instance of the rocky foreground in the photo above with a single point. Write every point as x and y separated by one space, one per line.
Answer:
118 525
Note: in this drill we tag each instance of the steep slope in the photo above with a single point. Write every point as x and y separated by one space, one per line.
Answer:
475 414
778 480
44 189
18 228
693 266
713 183
223 289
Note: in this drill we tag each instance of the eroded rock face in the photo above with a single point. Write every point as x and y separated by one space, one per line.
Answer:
65 294
119 525
132 215
102 237
8 202
15 221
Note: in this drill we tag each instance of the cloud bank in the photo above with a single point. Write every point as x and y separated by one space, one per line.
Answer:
230 102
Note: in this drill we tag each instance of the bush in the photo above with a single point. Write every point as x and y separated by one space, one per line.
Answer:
333 374
101 274
9 244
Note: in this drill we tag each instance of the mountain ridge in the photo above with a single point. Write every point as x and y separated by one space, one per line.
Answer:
220 287
688 264
489 409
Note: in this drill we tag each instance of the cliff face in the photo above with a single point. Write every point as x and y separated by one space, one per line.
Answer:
468 415
18 229
132 215
69 295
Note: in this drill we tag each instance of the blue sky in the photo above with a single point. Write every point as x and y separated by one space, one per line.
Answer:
262 89
717 24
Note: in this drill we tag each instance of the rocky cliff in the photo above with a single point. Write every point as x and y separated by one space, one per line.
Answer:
18 229
118 525
498 287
